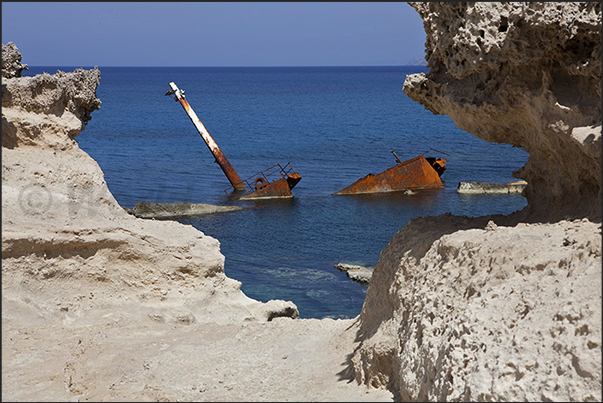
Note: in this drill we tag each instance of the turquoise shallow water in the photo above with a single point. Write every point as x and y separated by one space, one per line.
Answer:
334 125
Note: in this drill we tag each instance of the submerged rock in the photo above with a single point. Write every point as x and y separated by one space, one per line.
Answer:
146 209
360 274
487 187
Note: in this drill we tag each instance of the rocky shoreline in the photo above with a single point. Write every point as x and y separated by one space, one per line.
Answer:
100 305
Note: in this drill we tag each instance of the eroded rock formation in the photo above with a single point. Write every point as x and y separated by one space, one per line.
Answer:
482 309
527 74
99 305
501 308
63 230
11 61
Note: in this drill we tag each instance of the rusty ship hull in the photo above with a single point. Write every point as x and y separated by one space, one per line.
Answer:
263 185
416 173
273 183
279 189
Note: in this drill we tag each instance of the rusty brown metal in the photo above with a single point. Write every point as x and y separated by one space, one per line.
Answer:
262 185
227 168
272 183
416 173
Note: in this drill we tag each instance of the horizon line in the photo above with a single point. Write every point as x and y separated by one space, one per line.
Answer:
318 66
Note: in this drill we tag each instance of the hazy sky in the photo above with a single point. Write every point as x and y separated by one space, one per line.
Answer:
214 33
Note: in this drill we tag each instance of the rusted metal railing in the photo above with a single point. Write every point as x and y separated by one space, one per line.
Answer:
263 184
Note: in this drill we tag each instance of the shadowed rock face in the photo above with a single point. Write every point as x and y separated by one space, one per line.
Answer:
527 74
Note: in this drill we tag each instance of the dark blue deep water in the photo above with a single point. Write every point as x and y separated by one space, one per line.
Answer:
333 124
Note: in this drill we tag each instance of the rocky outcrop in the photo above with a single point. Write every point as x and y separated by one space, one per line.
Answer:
526 74
146 209
480 309
359 274
99 305
501 308
11 61
472 187
53 114
66 242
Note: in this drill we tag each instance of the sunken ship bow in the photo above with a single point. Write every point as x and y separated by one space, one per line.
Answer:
416 173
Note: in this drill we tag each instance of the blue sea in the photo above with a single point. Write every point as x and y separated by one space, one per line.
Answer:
333 124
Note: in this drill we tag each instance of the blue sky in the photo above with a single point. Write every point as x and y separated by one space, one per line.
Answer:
214 33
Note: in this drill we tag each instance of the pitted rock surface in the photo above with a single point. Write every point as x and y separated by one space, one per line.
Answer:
501 308
526 74
11 61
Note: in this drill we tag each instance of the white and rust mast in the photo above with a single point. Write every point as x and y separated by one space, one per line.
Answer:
229 171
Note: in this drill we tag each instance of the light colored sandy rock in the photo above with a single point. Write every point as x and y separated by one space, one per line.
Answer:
100 305
359 274
501 308
120 360
465 309
472 187
527 74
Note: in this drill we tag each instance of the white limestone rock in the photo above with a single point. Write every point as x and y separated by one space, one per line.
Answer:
526 74
501 308
480 309
65 237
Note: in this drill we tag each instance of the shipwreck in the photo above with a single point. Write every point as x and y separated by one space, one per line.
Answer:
419 172
274 182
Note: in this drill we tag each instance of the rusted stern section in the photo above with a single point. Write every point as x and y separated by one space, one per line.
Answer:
416 173
274 182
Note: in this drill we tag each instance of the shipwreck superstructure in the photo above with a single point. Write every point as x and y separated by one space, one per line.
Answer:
274 182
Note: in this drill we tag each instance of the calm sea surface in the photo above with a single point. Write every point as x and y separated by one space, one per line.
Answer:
333 124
